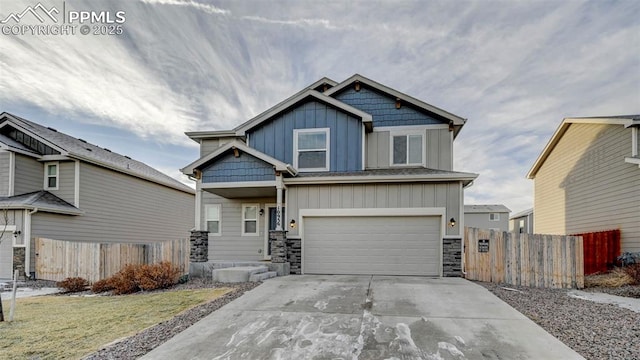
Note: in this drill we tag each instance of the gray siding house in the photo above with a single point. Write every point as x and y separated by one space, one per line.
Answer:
492 217
587 179
350 178
522 222
58 187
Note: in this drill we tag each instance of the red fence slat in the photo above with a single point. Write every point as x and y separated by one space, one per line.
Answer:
600 250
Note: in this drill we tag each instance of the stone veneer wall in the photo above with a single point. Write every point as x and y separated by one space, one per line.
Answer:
294 255
19 260
452 257
278 239
199 246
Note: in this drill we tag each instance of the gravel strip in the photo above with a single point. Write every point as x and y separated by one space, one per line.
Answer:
148 339
596 331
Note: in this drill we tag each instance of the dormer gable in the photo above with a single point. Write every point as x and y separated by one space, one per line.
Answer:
389 107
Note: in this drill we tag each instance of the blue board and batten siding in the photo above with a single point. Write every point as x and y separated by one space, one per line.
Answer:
242 168
383 109
275 138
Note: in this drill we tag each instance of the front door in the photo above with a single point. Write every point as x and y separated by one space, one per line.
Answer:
272 219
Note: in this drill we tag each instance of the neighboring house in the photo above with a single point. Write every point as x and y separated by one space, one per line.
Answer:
587 179
360 175
522 222
58 187
492 217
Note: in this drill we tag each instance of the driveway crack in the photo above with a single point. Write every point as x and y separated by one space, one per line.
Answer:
365 322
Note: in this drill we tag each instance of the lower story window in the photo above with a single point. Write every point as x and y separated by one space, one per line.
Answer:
212 218
250 219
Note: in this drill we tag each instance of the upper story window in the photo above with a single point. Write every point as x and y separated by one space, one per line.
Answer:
212 218
407 148
311 149
494 217
51 174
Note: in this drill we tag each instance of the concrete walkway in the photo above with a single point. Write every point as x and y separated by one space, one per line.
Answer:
28 292
632 304
365 317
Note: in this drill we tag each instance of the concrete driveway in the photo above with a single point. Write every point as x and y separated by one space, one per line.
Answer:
365 317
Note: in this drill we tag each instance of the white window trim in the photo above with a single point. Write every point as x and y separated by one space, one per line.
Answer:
257 219
46 175
327 131
496 217
206 212
407 133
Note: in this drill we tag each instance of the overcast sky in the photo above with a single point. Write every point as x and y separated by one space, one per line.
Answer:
513 69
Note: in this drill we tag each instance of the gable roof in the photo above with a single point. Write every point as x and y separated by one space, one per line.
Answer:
623 120
486 209
521 214
296 99
41 200
455 120
236 144
82 150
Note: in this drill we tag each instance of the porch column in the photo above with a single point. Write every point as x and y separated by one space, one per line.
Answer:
279 188
198 222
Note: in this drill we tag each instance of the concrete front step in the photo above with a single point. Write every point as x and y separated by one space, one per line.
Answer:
263 276
238 273
205 269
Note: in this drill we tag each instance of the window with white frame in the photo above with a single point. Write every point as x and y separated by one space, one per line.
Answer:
494 217
250 219
407 148
311 149
212 219
51 172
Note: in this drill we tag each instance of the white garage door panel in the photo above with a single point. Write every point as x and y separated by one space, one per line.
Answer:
381 245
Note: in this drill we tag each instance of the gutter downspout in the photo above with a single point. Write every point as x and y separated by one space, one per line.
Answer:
27 242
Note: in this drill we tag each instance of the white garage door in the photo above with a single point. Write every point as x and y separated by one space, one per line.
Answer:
380 245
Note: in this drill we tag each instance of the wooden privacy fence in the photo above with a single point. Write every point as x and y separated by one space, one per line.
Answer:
601 250
57 260
550 261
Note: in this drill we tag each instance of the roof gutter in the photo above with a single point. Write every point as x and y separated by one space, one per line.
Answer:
466 178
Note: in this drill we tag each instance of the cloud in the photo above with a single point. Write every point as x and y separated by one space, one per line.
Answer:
209 9
514 69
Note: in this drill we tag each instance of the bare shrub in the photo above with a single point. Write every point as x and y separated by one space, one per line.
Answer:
124 281
634 273
102 285
616 278
73 284
157 276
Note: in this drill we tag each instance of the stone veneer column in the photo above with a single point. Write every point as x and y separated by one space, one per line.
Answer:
199 246
19 259
452 257
294 255
278 240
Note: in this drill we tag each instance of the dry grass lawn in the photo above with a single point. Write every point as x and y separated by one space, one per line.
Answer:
64 327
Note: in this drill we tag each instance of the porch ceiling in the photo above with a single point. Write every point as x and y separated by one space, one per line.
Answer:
243 192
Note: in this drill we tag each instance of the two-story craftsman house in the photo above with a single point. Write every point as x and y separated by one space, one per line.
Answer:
359 175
